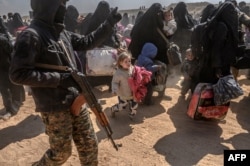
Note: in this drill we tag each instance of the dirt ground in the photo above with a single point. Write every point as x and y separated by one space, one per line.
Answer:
160 135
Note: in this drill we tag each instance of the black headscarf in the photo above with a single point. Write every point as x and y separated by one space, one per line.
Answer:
85 23
3 28
99 16
45 10
207 12
51 14
138 16
223 45
145 30
183 19
71 17
16 22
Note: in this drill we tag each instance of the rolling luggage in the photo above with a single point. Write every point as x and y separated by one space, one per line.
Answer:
202 104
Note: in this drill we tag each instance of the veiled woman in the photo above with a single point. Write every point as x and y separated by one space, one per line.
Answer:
71 17
98 17
224 41
149 29
146 30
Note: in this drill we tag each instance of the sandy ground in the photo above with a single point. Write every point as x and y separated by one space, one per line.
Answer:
160 135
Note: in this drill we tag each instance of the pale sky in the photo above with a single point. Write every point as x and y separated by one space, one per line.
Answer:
86 6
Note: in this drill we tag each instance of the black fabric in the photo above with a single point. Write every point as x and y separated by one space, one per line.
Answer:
45 10
138 16
17 21
85 23
183 19
3 28
217 46
99 16
67 81
12 95
5 52
243 62
71 17
60 14
145 30
207 12
39 43
114 17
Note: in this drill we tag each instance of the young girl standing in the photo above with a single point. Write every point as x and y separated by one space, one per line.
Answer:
120 85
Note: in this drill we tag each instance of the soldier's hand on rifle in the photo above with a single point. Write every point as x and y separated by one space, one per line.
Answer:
67 81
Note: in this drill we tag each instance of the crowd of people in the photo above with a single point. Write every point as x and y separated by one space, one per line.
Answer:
36 55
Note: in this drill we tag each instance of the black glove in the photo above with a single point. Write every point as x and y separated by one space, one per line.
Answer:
67 81
114 17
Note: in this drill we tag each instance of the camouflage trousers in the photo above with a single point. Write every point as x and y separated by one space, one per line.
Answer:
63 127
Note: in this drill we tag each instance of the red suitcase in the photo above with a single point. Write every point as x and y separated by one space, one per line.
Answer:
202 104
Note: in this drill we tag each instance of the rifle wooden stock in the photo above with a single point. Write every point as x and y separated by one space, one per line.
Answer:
88 96
77 105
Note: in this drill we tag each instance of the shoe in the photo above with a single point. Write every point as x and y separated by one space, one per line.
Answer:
131 115
113 111
6 116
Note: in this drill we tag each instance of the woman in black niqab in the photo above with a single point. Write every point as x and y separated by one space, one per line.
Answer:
99 16
145 30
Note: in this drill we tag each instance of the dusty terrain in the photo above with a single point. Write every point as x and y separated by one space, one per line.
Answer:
160 135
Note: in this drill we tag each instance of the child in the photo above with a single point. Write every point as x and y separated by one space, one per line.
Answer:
146 60
189 68
120 85
170 25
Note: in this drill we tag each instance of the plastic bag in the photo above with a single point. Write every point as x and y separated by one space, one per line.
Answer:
226 89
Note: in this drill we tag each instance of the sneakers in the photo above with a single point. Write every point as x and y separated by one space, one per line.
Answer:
5 116
132 114
113 110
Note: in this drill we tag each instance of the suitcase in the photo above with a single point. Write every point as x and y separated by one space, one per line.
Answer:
202 104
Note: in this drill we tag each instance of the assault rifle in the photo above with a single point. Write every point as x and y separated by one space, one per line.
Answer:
88 96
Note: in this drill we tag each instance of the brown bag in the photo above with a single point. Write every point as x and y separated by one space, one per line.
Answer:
173 51
174 54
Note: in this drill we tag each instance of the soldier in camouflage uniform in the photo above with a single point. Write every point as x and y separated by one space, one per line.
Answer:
46 42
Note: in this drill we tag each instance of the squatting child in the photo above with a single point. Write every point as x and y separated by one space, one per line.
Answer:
146 60
189 68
